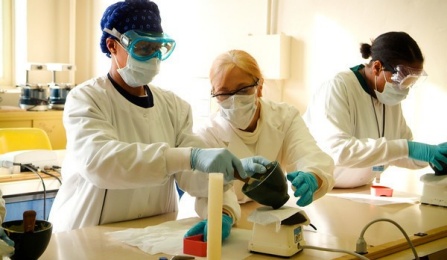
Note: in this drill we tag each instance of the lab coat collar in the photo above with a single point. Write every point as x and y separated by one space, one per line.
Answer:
272 135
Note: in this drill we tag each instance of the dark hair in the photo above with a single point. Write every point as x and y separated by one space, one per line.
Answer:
392 49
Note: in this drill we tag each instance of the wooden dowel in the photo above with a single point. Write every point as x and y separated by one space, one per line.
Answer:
393 247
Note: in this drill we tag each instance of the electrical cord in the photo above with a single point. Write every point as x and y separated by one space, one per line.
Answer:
52 175
332 249
54 168
335 250
36 171
361 247
9 164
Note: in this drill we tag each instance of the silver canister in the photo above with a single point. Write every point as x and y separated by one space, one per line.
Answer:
34 97
58 95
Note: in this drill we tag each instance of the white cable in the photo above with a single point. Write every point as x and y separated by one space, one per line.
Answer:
6 164
335 250
361 243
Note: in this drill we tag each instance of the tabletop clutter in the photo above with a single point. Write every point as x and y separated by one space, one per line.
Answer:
277 230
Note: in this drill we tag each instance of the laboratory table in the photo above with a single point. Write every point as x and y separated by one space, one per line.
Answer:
339 222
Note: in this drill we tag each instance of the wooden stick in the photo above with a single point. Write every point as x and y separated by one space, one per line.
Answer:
401 244
29 221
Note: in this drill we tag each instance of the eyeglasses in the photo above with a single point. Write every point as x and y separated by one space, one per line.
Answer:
143 46
406 77
246 90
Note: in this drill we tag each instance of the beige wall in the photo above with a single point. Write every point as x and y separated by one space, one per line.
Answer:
47 37
325 39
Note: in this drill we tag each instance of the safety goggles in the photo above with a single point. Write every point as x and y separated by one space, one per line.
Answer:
406 77
246 90
143 46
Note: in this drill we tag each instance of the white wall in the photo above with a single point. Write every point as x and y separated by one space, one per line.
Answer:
325 39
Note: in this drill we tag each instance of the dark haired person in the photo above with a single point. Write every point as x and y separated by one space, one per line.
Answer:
356 117
128 140
247 124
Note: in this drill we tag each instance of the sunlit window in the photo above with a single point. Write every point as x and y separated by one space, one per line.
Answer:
5 43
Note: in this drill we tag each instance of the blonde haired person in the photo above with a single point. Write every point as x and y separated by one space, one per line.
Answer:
249 125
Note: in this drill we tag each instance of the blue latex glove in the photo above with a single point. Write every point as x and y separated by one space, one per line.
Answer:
216 160
255 164
201 228
304 184
5 238
434 154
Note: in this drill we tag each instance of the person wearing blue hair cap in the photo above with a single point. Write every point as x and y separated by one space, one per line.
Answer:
128 140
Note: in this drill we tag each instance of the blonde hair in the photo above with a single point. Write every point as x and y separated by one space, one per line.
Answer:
225 62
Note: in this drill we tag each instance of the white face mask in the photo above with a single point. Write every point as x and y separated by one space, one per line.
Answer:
391 94
138 73
239 110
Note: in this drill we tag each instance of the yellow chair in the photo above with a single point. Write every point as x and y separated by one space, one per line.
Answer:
16 139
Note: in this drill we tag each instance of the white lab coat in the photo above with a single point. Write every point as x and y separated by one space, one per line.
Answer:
340 116
121 159
284 137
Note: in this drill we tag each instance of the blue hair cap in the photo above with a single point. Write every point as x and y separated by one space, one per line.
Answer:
128 15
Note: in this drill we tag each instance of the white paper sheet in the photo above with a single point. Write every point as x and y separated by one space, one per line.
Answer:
167 238
397 198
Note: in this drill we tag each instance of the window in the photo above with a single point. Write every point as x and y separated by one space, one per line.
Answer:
6 43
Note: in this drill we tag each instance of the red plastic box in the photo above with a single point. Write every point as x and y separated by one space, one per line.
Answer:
381 191
194 245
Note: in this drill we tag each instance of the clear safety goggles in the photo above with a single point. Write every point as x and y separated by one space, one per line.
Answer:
406 77
246 90
143 46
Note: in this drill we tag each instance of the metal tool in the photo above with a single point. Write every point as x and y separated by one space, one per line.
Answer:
182 257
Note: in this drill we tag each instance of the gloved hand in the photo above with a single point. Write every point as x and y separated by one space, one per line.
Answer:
5 238
201 228
304 184
434 154
5 249
252 165
216 160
